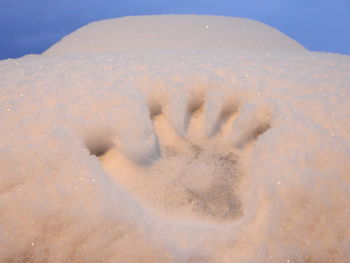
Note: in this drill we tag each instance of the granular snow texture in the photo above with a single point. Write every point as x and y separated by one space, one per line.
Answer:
181 155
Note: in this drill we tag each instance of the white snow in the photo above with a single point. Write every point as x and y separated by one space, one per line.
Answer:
174 32
187 155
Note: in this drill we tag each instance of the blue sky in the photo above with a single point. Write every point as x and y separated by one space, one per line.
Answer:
31 26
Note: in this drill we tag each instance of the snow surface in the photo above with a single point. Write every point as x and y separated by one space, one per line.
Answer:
175 156
174 32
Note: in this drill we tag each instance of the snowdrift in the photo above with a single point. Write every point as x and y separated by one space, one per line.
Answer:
174 32
209 153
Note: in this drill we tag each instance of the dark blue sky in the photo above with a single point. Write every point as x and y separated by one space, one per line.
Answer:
31 26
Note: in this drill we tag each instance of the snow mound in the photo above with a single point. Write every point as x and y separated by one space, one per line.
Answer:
174 32
175 156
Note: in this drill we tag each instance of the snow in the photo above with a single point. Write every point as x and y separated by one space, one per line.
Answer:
179 155
174 32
